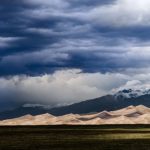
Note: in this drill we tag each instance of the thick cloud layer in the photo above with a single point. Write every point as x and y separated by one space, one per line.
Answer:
42 36
68 86
64 51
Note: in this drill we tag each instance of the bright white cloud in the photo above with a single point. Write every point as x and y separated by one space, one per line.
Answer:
70 86
64 87
122 13
119 13
135 85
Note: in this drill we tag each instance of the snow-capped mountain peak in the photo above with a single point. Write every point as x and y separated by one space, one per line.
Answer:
130 93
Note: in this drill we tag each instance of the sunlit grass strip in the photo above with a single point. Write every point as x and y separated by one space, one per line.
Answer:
124 136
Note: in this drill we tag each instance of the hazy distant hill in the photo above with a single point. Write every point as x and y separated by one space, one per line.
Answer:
119 100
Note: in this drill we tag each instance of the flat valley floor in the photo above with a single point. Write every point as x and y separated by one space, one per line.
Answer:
110 137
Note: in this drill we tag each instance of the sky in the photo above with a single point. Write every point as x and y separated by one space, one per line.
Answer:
64 51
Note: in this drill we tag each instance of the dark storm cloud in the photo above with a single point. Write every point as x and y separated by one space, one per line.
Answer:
41 36
58 52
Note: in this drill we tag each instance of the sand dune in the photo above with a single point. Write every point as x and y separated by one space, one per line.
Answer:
119 120
129 115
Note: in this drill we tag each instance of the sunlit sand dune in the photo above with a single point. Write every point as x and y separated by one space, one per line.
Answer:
129 115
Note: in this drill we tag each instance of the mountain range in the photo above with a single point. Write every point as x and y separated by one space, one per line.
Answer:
119 100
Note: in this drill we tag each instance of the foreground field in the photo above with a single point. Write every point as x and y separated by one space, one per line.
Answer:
114 137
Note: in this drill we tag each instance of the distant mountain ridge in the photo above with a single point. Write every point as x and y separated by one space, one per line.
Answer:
119 100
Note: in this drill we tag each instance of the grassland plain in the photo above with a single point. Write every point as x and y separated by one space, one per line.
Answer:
105 137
